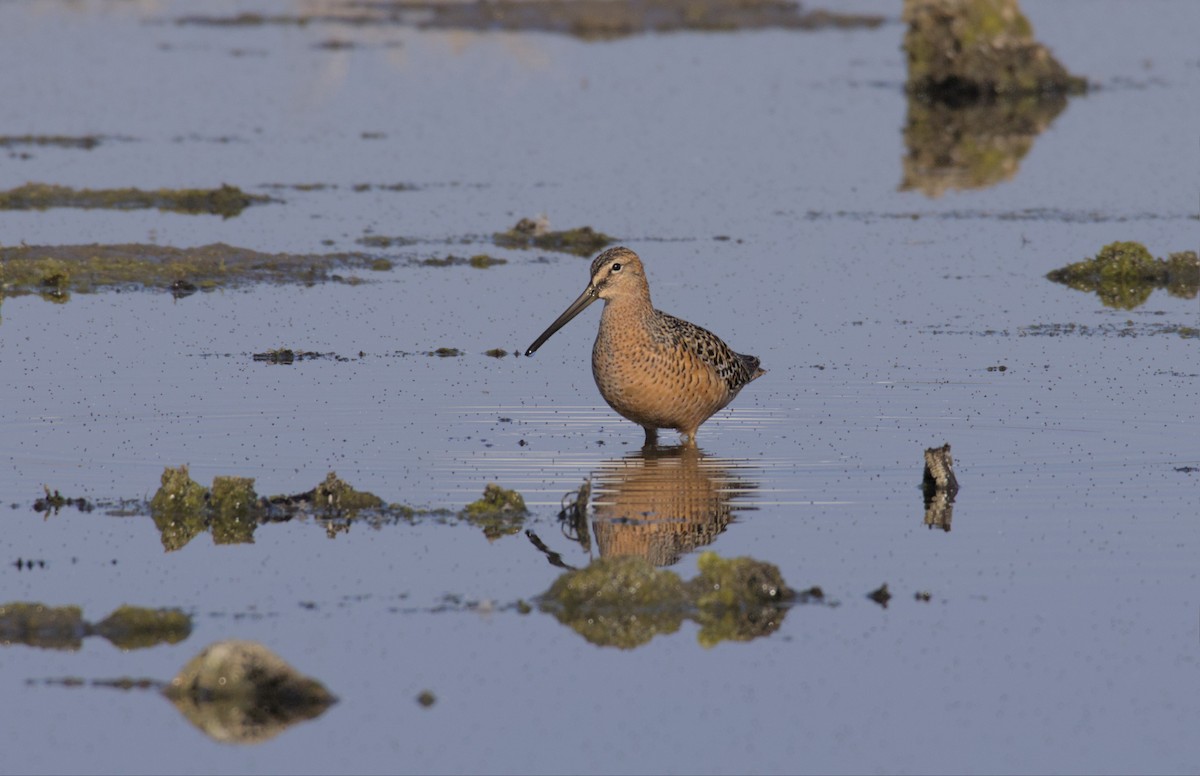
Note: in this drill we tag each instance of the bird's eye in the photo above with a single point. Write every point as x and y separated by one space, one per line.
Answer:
616 267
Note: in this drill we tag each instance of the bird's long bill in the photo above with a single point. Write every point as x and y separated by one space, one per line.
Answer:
585 299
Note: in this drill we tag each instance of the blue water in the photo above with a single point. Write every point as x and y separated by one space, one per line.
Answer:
1063 628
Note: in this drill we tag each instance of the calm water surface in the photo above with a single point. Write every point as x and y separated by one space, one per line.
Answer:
1063 627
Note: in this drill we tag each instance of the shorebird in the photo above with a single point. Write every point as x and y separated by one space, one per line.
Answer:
651 367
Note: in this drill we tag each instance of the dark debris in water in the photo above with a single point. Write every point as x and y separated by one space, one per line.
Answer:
82 142
53 502
289 356
1126 329
880 595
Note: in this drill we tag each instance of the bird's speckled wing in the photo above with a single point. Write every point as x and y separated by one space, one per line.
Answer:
735 369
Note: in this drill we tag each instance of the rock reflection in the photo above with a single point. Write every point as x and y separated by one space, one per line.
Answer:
962 147
243 693
661 503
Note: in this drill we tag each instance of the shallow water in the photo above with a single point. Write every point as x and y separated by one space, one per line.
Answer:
1063 626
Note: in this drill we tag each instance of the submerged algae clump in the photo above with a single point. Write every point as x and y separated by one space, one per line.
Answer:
1123 275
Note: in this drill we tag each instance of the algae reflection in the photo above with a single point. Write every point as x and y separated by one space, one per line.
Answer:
625 601
980 90
660 503
64 628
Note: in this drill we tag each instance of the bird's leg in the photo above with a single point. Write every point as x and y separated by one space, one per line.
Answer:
651 438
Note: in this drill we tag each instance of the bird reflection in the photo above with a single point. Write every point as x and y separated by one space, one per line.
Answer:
662 502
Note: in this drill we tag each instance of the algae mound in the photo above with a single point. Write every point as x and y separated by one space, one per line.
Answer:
1123 275
965 50
499 512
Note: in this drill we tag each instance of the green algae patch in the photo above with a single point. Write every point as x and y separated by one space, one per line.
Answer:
336 495
226 201
135 627
625 601
56 270
739 599
499 512
966 50
529 233
234 510
179 508
38 625
242 692
1124 274
737 583
484 261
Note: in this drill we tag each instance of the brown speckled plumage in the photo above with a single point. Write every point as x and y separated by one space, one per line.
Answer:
651 367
